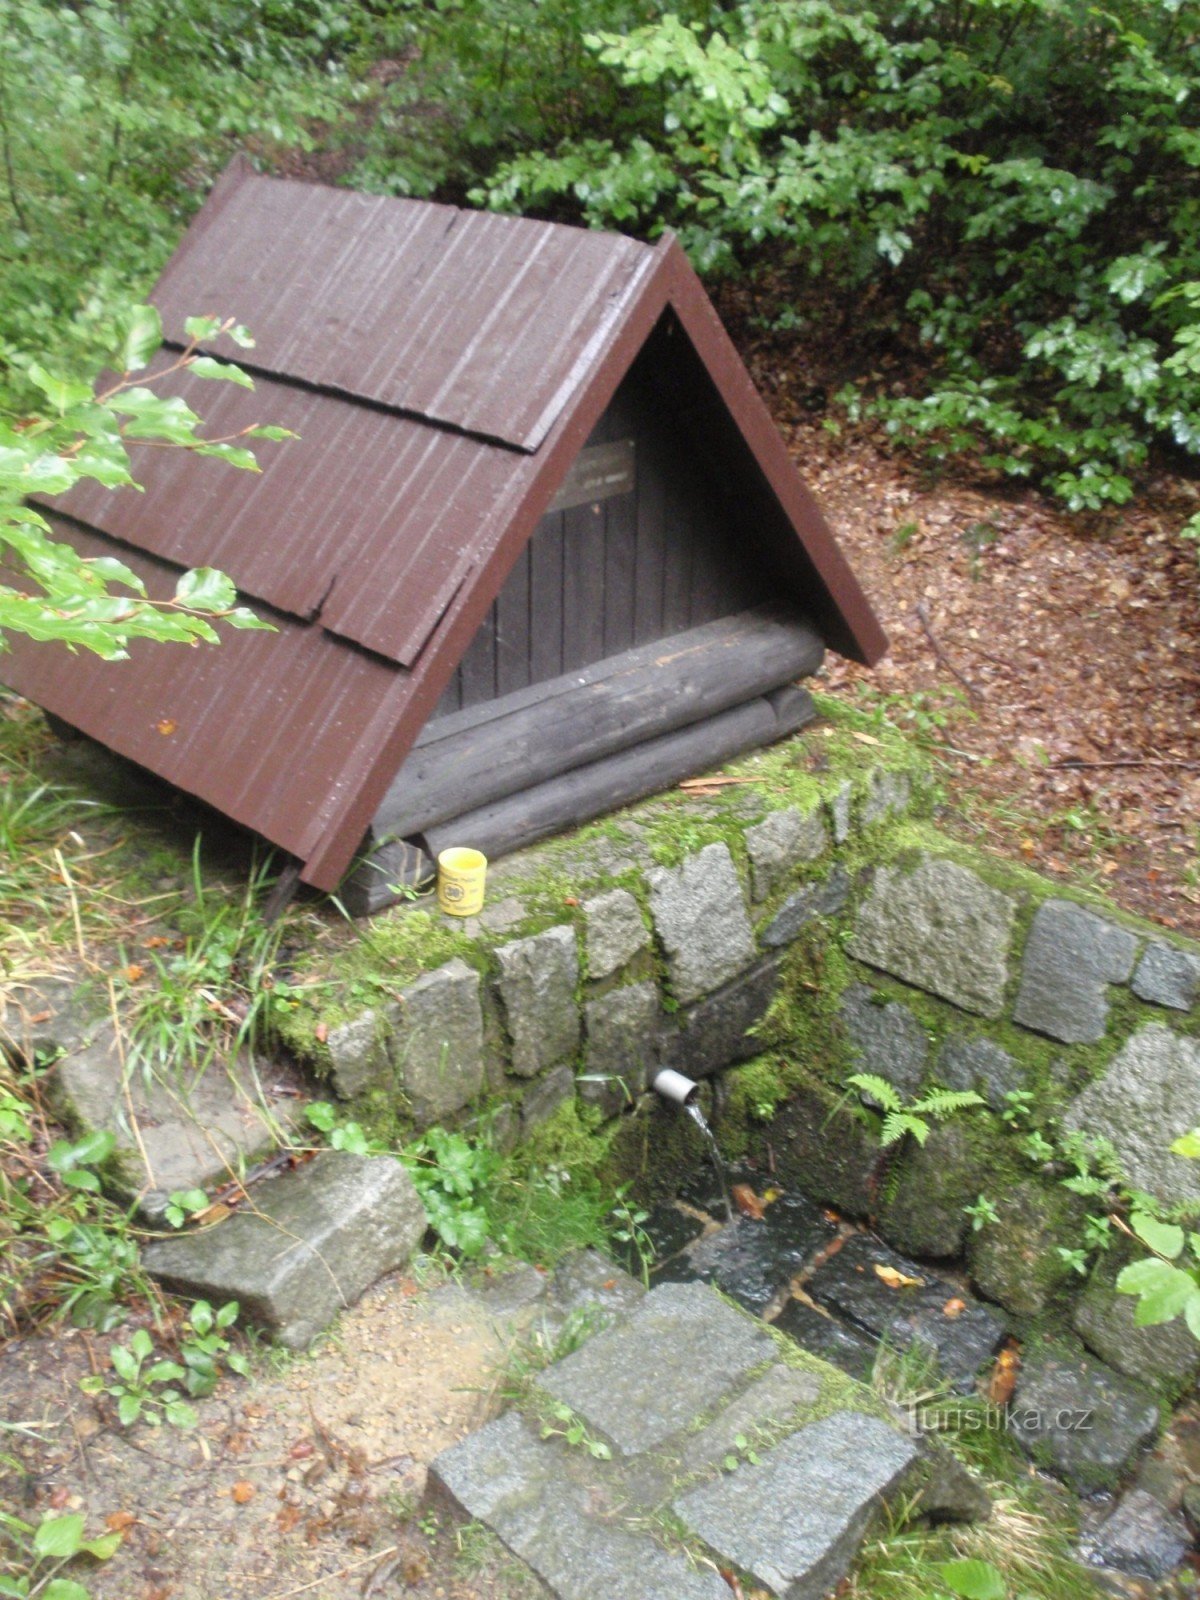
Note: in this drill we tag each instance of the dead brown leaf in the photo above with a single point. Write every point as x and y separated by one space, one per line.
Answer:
1004 1377
747 1202
895 1279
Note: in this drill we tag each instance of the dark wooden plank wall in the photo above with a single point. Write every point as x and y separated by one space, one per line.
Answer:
601 578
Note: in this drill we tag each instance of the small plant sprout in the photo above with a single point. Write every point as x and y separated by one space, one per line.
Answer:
143 1388
1018 1107
182 1204
901 1120
342 1133
742 1450
40 1551
629 1229
564 1424
204 1349
981 1212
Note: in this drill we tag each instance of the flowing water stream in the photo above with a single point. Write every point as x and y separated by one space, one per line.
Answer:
698 1117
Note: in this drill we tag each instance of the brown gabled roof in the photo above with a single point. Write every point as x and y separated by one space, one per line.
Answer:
442 369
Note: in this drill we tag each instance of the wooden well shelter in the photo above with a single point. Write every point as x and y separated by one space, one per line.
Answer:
538 549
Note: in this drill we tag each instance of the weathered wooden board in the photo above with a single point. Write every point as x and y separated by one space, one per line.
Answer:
599 471
485 752
616 780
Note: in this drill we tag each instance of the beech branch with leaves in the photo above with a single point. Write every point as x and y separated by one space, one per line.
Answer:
83 430
1166 1282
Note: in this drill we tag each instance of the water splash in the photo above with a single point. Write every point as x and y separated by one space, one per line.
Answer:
698 1117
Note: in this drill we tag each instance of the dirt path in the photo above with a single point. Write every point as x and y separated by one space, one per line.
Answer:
1052 663
303 1480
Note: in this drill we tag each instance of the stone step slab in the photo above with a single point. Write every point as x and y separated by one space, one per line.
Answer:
174 1132
1080 1418
561 1512
317 1238
796 1521
824 1336
753 1260
849 1285
668 1363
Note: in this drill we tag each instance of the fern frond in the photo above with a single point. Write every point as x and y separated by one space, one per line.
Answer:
897 1123
943 1103
876 1088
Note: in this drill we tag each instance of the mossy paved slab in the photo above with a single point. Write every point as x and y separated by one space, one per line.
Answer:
1079 1418
1071 957
752 1260
824 1336
672 1360
906 1313
796 1520
1148 1097
315 1240
1168 976
174 1133
1140 1537
561 1512
700 917
941 928
720 1029
885 1038
781 841
538 979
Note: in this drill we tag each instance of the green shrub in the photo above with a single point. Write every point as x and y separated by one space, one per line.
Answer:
1008 187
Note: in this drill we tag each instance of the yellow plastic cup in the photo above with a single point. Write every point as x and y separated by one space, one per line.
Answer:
460 881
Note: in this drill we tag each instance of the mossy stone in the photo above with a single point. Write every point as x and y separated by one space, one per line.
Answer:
925 1214
1015 1261
822 1149
1166 1356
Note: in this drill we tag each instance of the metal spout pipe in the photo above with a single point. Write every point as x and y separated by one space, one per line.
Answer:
674 1086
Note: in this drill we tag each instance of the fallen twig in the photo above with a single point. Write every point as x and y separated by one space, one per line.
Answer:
943 658
328 1577
1132 761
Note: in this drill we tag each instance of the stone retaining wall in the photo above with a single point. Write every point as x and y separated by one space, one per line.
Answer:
777 935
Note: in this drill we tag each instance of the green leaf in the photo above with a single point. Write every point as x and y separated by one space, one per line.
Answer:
143 336
62 393
129 1409
90 1151
206 367
243 618
64 1589
1164 1238
164 1372
1144 1277
205 589
201 328
876 1088
269 430
972 1580
102 1547
1192 1315
234 454
114 571
59 1538
180 1414
1166 1300
1188 1145
125 1364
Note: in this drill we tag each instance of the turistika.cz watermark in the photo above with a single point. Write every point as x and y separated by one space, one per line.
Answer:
1000 1419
